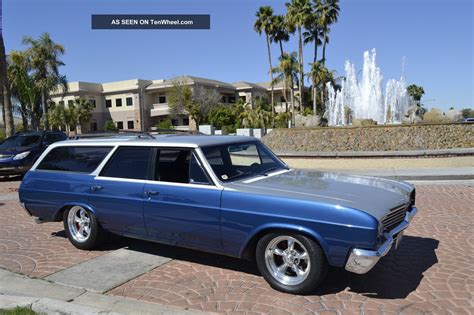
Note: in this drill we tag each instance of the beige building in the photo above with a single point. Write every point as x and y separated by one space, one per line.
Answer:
141 104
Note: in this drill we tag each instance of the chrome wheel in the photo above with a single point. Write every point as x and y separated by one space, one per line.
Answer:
79 223
287 260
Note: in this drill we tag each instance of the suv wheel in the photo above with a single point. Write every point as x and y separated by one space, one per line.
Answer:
82 228
291 263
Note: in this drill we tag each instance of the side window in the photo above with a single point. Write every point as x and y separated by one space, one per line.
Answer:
197 175
74 159
128 162
172 165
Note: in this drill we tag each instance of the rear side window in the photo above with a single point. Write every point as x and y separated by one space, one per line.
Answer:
74 159
128 162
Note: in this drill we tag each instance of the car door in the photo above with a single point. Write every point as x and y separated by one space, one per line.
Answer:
182 205
117 192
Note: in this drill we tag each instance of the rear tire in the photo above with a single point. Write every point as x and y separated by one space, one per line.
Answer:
291 263
82 228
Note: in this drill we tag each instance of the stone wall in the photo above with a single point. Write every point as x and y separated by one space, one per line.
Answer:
372 138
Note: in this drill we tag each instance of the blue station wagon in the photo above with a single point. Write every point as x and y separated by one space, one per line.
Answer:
223 194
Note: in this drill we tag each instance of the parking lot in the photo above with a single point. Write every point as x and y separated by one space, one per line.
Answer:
431 272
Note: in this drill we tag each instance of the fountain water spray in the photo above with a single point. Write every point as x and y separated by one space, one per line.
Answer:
366 99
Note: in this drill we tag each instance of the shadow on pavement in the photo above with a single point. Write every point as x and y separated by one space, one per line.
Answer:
394 277
11 178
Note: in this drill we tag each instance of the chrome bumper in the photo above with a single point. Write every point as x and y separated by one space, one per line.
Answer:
361 260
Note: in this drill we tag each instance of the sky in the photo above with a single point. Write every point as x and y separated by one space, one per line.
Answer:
434 36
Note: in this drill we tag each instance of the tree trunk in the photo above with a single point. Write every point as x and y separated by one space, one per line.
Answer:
314 99
292 107
315 49
323 59
301 74
24 117
271 80
281 49
44 108
7 104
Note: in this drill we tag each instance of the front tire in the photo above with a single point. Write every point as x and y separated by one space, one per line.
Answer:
291 263
82 228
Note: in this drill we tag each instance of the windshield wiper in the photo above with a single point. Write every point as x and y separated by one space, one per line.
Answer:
268 170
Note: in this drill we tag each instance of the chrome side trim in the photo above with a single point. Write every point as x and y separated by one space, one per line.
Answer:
362 261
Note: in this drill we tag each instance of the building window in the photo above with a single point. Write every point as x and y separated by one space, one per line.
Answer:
224 99
130 124
185 121
282 99
162 99
93 126
93 103
129 101
118 102
61 103
231 99
120 125
70 102
174 122
243 98
108 103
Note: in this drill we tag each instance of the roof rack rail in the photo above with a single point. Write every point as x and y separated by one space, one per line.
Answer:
110 134
175 131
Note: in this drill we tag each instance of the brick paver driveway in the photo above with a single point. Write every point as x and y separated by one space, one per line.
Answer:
432 271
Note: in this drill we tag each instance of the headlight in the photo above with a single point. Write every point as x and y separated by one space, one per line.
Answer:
21 156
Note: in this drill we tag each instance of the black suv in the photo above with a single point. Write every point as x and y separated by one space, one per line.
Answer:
19 152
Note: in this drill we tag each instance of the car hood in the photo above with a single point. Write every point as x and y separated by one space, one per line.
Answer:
375 196
15 150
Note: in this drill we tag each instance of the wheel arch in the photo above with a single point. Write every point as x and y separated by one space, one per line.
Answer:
58 216
248 250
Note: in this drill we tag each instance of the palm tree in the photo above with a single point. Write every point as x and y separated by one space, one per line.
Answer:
265 23
44 54
280 32
5 91
287 71
22 85
329 14
83 112
416 92
297 15
314 33
320 75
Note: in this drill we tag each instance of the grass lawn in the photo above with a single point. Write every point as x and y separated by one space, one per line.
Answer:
18 311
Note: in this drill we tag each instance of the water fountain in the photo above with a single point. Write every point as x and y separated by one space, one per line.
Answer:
366 99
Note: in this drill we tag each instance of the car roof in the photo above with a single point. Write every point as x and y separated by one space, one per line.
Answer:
163 140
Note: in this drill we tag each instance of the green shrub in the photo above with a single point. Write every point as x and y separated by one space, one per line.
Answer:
281 120
110 126
165 124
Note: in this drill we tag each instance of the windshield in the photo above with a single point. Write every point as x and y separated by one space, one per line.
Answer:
21 141
240 160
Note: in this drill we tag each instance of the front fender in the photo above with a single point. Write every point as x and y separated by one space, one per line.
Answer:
265 228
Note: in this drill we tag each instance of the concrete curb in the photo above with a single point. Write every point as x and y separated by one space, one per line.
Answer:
376 154
52 298
444 174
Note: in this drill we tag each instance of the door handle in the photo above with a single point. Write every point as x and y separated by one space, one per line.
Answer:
150 193
96 188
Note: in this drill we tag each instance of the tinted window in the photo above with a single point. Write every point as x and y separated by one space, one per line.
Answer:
129 101
108 103
130 124
172 165
120 125
74 159
196 172
128 162
53 137
118 102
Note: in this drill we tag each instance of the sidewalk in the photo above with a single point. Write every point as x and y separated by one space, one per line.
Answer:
422 174
48 297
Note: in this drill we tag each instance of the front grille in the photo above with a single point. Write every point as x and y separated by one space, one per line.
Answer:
394 218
